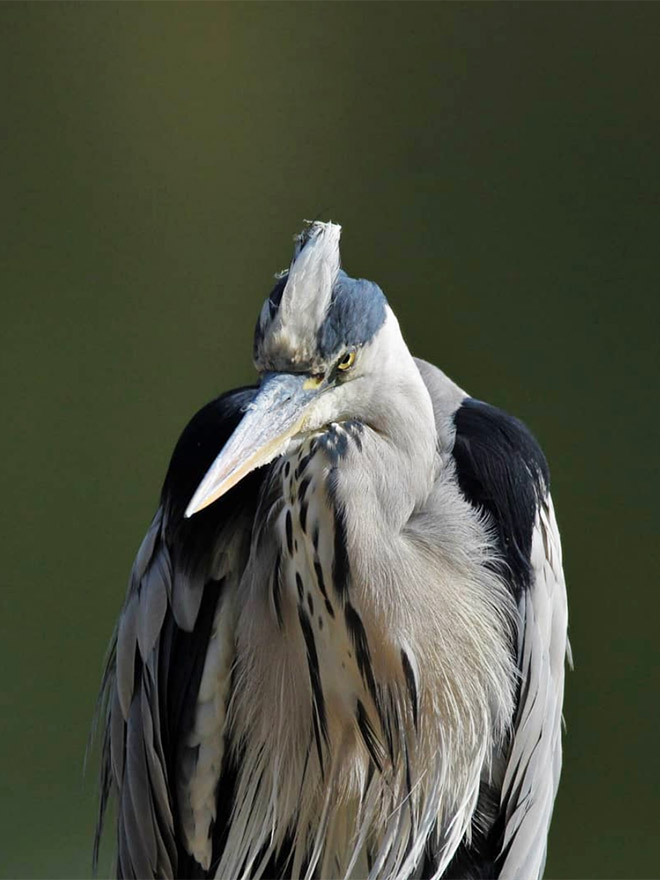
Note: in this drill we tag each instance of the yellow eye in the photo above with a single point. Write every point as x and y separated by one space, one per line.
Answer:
347 361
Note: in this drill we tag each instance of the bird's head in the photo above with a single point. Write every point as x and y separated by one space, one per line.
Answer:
323 346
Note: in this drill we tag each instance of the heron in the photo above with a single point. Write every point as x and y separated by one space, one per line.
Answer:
342 649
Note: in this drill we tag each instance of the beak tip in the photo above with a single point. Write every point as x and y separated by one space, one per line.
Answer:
201 499
262 434
191 509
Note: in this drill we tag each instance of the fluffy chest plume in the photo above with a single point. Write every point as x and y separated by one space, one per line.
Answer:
338 722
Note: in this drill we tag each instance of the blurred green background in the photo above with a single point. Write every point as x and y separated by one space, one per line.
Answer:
496 168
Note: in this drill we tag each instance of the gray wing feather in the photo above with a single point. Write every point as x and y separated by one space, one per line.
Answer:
125 651
186 598
152 603
532 774
136 802
140 663
134 750
117 736
145 819
149 693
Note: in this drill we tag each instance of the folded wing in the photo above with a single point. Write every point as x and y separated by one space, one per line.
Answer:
502 471
162 745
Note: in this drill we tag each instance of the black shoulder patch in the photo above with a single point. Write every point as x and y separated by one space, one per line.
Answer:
199 444
501 469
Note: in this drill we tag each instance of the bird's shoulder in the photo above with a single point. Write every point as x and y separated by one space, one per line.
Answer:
499 465
200 442
501 471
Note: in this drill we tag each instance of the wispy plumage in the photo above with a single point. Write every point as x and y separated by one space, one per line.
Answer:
342 649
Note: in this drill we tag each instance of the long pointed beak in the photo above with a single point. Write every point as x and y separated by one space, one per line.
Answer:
274 416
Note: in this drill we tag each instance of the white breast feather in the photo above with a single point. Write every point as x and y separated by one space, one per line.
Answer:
452 607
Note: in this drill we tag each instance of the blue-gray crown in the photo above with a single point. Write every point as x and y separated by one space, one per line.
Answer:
315 308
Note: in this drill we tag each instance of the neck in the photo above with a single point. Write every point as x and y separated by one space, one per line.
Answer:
401 416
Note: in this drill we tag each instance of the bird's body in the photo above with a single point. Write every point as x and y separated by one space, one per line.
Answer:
351 663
